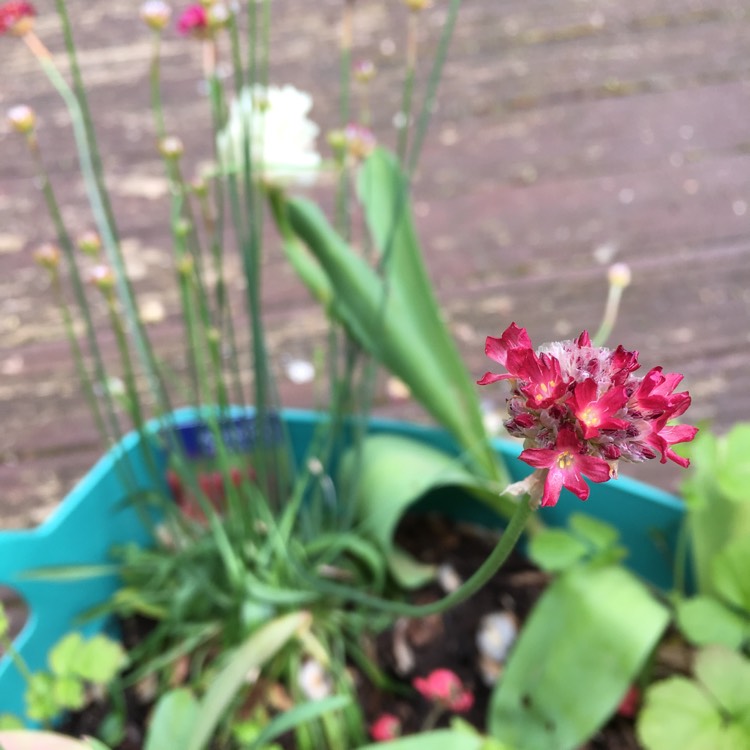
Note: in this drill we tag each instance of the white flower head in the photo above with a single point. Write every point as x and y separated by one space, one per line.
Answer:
281 135
314 681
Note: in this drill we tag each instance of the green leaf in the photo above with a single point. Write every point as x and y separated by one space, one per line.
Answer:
726 674
678 715
704 621
40 698
556 549
69 693
582 647
733 477
64 656
100 659
388 473
387 319
711 712
70 573
10 722
442 739
173 721
296 716
599 534
730 573
4 622
93 744
257 650
717 514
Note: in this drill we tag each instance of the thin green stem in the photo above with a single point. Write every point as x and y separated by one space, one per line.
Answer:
476 581
114 430
436 73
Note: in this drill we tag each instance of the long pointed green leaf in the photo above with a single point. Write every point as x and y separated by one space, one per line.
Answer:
298 715
255 652
384 193
442 739
384 324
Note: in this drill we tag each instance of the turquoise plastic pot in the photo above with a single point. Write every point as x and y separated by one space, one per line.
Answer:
97 516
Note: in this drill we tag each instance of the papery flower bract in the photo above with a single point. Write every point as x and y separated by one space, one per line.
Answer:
156 14
386 727
193 21
314 681
445 687
48 256
565 464
580 408
281 136
359 140
16 17
22 119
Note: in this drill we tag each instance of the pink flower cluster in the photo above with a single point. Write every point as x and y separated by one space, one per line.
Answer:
580 409
13 13
386 727
445 688
194 21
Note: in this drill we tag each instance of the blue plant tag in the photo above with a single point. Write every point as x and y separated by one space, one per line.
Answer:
239 435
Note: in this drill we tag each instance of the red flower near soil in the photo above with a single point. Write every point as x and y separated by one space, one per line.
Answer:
580 409
212 486
629 704
445 687
194 21
14 17
385 727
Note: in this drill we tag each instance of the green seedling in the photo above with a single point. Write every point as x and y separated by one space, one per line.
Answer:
710 711
587 541
75 665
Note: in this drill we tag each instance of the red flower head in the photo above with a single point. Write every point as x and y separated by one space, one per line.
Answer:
16 17
580 408
386 727
445 687
194 21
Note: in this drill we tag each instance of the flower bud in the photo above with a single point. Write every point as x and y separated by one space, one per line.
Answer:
360 141
90 243
199 186
619 275
364 71
182 228
22 119
48 256
337 141
217 16
103 278
418 5
185 266
156 14
170 147
16 17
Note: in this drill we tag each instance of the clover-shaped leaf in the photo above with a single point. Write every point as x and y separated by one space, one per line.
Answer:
63 658
706 621
100 659
556 549
711 712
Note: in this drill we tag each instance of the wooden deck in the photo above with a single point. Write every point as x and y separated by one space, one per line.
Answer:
570 133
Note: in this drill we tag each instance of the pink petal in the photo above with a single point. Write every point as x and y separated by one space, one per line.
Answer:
553 485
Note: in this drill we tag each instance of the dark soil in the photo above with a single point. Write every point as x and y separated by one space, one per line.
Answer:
442 641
